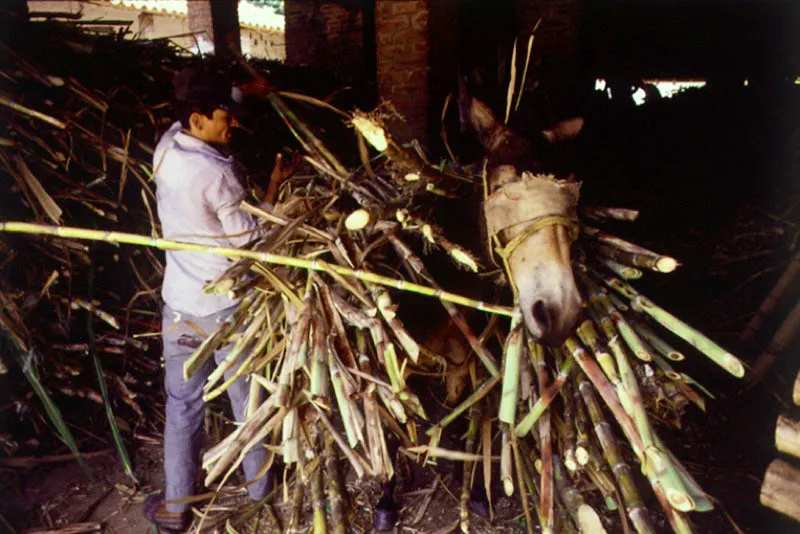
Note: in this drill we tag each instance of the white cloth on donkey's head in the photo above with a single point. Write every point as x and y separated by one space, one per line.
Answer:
198 196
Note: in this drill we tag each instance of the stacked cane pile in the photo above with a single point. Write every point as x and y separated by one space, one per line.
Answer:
75 148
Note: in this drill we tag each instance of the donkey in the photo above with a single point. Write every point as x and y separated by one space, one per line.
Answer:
532 218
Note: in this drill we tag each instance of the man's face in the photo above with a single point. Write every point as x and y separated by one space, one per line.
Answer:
218 129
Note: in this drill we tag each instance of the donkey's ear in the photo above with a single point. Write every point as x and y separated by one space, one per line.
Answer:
477 117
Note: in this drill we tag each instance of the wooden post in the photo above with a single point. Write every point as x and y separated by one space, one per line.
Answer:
783 286
787 436
781 489
780 341
219 23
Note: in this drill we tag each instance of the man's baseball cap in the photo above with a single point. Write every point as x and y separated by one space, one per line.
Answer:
207 88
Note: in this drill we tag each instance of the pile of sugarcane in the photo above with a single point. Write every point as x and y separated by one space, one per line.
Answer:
75 148
325 347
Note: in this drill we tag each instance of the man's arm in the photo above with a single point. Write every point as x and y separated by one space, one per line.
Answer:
280 173
225 196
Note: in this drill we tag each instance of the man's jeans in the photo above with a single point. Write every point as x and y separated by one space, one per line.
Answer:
182 431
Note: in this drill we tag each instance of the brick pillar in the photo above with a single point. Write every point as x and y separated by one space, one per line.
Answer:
219 22
402 45
329 35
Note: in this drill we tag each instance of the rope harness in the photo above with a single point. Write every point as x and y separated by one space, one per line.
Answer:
537 200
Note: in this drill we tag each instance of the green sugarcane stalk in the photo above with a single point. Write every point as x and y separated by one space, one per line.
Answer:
523 495
620 469
625 271
466 477
653 339
591 338
700 497
606 391
506 462
604 308
655 458
242 344
480 392
266 257
546 505
262 346
581 513
318 500
598 474
640 303
348 410
338 523
582 424
319 376
214 341
659 264
545 398
511 362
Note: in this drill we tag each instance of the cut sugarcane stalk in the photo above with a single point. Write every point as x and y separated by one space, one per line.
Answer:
780 489
506 463
582 514
216 340
622 472
655 458
659 264
358 220
318 501
787 436
546 397
715 353
796 390
619 214
547 502
511 363
302 263
664 348
469 447
608 314
523 495
625 271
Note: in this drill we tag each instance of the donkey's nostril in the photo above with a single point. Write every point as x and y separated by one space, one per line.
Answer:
540 314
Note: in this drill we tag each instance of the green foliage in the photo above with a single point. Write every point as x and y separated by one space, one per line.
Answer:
277 5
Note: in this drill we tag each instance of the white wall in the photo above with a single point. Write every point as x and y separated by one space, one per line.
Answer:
256 42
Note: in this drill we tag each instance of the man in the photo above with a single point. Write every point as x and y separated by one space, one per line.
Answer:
198 195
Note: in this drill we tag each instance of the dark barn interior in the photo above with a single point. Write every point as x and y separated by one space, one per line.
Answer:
713 170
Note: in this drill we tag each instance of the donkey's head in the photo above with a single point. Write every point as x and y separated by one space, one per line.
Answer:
531 219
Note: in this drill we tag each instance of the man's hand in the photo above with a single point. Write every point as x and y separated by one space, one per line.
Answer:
283 169
258 87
